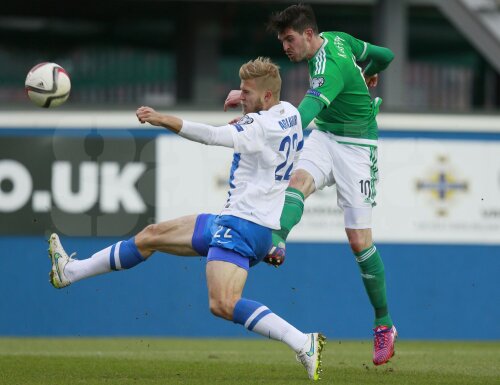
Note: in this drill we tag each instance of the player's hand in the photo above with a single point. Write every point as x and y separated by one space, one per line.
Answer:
149 115
233 99
371 81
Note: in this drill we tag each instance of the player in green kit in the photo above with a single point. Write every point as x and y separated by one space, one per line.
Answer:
342 151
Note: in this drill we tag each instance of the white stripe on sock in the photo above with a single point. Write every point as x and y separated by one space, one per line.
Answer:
255 314
365 256
294 195
116 256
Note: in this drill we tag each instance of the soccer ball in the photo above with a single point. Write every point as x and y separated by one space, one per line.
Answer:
47 85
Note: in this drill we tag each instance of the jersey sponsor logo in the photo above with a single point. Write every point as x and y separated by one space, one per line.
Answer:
313 93
317 82
245 120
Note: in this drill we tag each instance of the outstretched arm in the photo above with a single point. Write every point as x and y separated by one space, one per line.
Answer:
380 58
197 132
149 115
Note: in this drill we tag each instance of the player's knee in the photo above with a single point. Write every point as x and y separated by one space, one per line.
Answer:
302 181
358 243
359 239
146 238
297 179
222 307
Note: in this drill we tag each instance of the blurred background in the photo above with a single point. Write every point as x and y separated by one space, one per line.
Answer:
186 53
89 171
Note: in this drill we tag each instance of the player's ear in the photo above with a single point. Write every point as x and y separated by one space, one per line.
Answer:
268 95
308 33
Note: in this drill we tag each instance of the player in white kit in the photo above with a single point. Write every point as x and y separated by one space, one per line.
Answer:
266 142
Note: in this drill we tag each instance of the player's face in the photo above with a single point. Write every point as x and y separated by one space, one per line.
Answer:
252 97
295 44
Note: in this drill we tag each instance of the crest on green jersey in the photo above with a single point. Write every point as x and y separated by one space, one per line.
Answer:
317 82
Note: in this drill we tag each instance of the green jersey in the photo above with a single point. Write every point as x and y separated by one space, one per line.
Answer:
338 82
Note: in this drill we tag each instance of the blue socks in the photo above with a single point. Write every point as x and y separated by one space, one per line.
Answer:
248 313
121 255
124 255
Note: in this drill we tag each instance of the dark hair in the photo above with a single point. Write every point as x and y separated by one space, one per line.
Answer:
297 17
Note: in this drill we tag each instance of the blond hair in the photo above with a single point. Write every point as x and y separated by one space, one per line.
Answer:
265 72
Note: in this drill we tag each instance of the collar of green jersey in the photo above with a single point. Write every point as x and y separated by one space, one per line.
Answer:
325 42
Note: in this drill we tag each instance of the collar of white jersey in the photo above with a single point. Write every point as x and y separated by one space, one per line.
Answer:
281 105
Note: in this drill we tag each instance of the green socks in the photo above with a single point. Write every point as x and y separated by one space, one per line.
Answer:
291 214
369 261
373 274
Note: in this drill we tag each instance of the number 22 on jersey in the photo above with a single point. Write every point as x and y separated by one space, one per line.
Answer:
284 170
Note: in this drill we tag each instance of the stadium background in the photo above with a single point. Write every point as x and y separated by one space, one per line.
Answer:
437 223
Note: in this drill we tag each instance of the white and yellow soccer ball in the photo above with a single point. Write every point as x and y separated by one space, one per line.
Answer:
47 85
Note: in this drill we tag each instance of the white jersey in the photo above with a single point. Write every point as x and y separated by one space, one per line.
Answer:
266 149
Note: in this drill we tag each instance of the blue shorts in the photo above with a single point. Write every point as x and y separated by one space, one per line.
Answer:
232 239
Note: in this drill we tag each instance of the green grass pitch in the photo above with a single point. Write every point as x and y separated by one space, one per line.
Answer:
123 361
